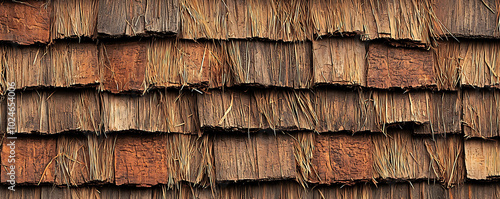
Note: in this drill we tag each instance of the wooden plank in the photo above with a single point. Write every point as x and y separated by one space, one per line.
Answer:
64 64
481 111
473 60
390 67
33 157
444 111
123 67
259 157
339 61
341 110
25 24
225 158
469 18
341 158
231 110
119 112
481 159
162 111
268 64
31 111
75 18
137 157
400 107
132 18
162 16
17 62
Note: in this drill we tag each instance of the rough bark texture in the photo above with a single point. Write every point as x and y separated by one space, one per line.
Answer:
137 157
33 159
25 23
123 66
341 158
390 67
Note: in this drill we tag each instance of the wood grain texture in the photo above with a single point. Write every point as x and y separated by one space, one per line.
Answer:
230 110
261 156
159 111
132 18
177 63
51 112
33 159
474 61
481 159
473 19
25 23
64 64
481 111
269 64
390 67
341 158
343 110
123 66
430 112
339 61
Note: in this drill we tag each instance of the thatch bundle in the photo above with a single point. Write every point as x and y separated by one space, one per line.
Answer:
248 111
399 155
74 18
399 20
472 63
274 20
177 63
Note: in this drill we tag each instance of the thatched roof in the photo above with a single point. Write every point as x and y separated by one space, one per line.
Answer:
251 98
